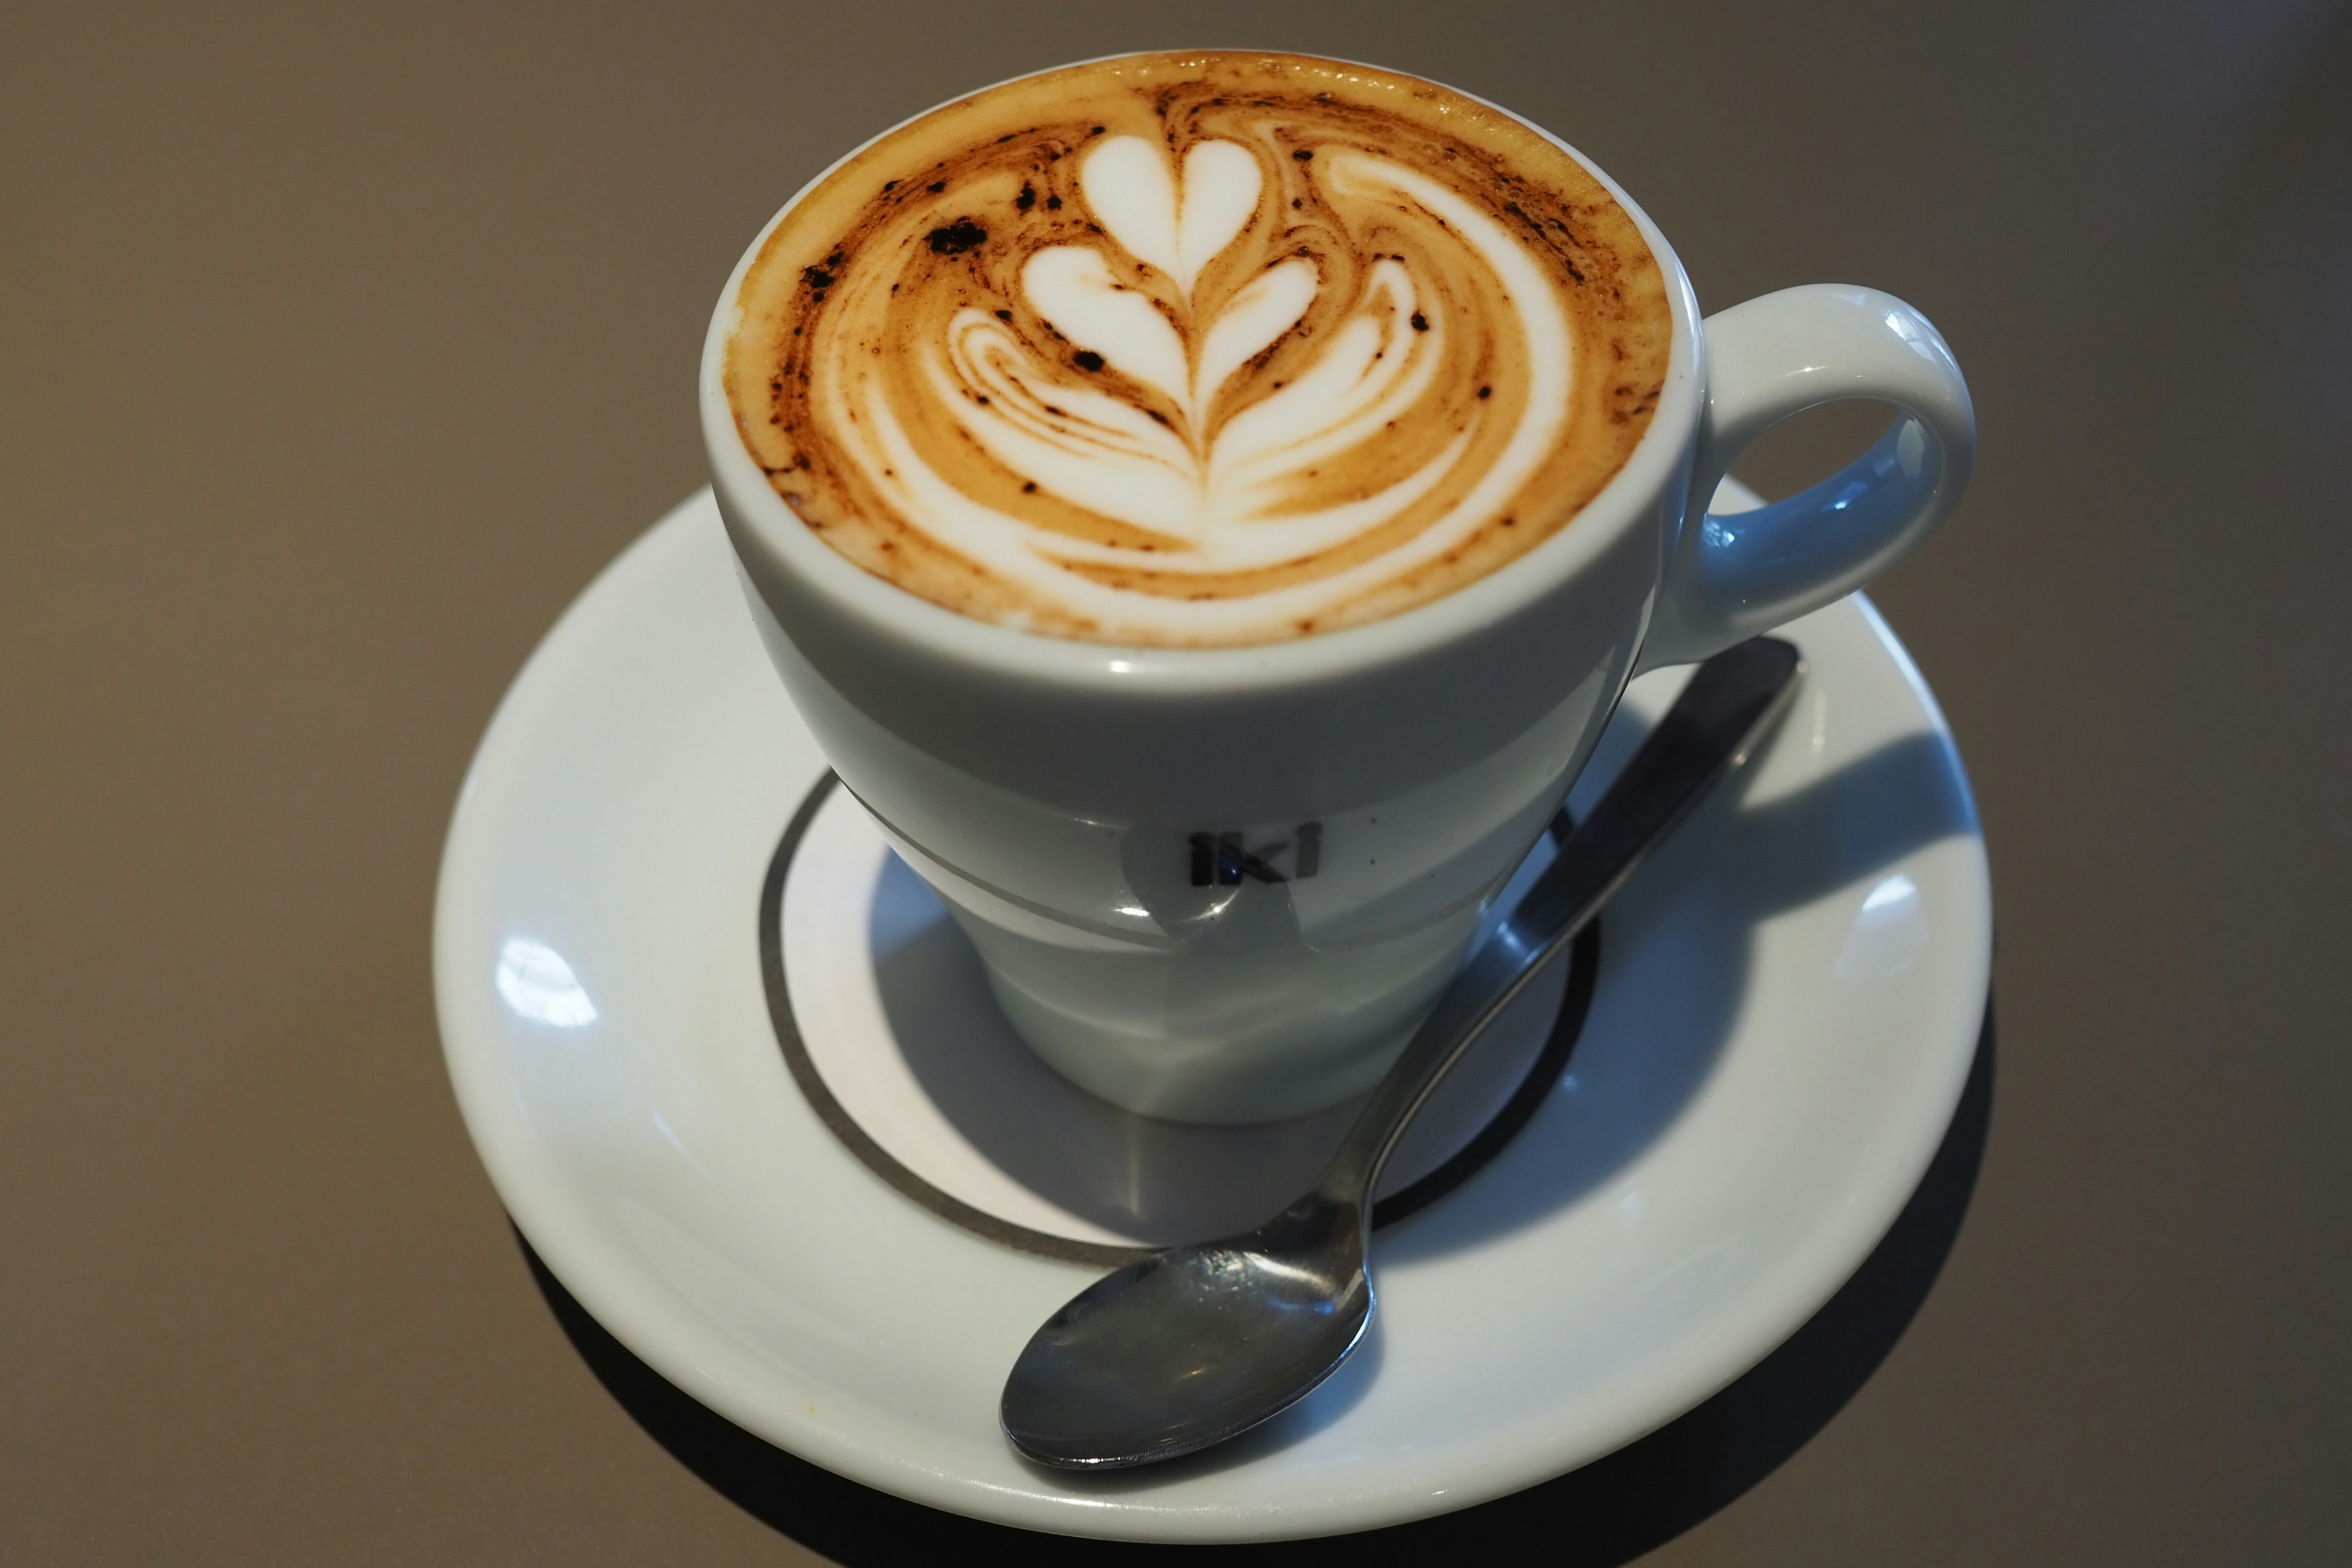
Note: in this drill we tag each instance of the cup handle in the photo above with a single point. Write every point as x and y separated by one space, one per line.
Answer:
1734 576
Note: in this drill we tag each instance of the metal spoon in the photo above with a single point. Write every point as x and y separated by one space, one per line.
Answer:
1201 1343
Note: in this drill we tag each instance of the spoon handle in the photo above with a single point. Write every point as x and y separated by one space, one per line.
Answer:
1729 702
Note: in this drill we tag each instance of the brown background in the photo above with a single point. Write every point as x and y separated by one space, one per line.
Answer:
339 346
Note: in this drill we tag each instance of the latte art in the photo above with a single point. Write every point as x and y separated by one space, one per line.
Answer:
1197 350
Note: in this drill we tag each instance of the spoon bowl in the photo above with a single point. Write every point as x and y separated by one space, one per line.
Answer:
1184 1350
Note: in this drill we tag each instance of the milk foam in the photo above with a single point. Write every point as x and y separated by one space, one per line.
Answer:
1110 447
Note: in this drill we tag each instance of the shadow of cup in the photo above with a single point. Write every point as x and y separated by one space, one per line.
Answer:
1679 960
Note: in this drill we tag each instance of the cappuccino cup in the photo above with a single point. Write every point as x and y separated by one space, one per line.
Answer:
1207 505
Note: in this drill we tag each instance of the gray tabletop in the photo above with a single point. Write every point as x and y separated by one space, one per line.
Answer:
340 347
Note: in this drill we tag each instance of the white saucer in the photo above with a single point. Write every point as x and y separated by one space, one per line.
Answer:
1788 1001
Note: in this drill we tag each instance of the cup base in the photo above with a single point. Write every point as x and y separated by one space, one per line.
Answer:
1232 1083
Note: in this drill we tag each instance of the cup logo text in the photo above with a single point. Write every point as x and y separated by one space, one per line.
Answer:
1223 859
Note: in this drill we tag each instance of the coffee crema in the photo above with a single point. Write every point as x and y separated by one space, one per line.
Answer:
1198 349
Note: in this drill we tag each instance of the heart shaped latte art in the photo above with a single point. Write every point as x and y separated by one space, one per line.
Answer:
1241 370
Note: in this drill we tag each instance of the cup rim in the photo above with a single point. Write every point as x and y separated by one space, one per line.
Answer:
1143 671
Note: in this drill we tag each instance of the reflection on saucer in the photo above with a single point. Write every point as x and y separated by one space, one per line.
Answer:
886 1018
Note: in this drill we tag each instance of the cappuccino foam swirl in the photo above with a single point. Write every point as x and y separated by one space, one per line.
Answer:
1197 349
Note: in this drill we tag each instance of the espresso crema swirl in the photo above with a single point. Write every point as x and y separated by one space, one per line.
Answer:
1198 349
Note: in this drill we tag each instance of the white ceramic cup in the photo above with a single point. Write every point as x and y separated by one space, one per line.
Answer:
1225 884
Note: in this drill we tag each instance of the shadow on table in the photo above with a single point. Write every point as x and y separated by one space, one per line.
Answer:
1607 1513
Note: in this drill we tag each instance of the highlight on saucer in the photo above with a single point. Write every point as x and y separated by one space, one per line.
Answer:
1198 349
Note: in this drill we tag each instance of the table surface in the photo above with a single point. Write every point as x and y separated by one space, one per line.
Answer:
340 346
